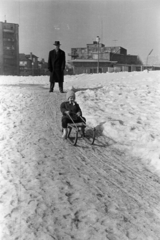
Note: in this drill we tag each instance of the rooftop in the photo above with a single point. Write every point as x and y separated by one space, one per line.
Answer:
91 60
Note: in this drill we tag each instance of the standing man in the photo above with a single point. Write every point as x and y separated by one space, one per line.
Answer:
56 66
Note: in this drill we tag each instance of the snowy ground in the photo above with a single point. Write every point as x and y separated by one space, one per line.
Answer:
125 107
50 190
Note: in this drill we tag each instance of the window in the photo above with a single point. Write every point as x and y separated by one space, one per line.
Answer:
23 63
100 70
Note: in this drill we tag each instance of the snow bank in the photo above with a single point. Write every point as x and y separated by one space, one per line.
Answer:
125 107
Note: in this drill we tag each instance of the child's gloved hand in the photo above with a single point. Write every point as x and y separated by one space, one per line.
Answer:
78 114
67 112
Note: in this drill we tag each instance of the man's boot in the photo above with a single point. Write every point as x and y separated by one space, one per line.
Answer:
61 87
51 87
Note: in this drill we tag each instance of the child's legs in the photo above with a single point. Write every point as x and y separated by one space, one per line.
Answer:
65 121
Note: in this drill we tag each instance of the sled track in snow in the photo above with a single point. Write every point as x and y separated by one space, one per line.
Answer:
116 167
113 172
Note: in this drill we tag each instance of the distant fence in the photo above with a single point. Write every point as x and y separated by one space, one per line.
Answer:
33 72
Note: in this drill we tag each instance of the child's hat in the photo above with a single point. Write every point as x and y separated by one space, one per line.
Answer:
69 94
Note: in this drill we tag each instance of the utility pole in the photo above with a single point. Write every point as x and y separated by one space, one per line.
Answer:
148 56
98 41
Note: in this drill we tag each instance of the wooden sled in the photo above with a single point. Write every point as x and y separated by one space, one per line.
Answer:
80 130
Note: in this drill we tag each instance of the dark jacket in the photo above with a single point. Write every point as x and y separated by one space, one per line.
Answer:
73 109
56 65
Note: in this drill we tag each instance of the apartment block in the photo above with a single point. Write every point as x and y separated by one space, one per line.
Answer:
9 48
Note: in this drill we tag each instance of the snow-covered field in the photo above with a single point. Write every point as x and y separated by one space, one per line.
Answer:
123 106
51 190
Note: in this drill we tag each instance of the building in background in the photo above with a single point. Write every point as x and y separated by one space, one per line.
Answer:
34 64
98 58
13 63
9 48
25 65
29 65
43 67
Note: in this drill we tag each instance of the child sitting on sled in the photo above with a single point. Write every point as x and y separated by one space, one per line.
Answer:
71 112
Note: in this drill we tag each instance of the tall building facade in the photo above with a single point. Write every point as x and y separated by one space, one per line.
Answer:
9 48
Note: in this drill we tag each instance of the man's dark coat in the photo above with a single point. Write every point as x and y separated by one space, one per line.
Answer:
56 65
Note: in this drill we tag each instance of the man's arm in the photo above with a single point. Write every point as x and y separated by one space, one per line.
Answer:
50 62
63 61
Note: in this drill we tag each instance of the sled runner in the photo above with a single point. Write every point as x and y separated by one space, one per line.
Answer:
80 130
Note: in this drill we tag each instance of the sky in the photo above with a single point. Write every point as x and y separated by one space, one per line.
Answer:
131 24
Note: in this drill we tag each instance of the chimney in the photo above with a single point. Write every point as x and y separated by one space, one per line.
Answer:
31 55
5 19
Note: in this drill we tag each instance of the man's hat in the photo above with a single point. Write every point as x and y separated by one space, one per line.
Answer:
57 43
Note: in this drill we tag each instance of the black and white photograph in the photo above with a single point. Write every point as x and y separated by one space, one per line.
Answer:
79 120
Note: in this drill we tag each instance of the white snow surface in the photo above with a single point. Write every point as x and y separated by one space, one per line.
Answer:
125 107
